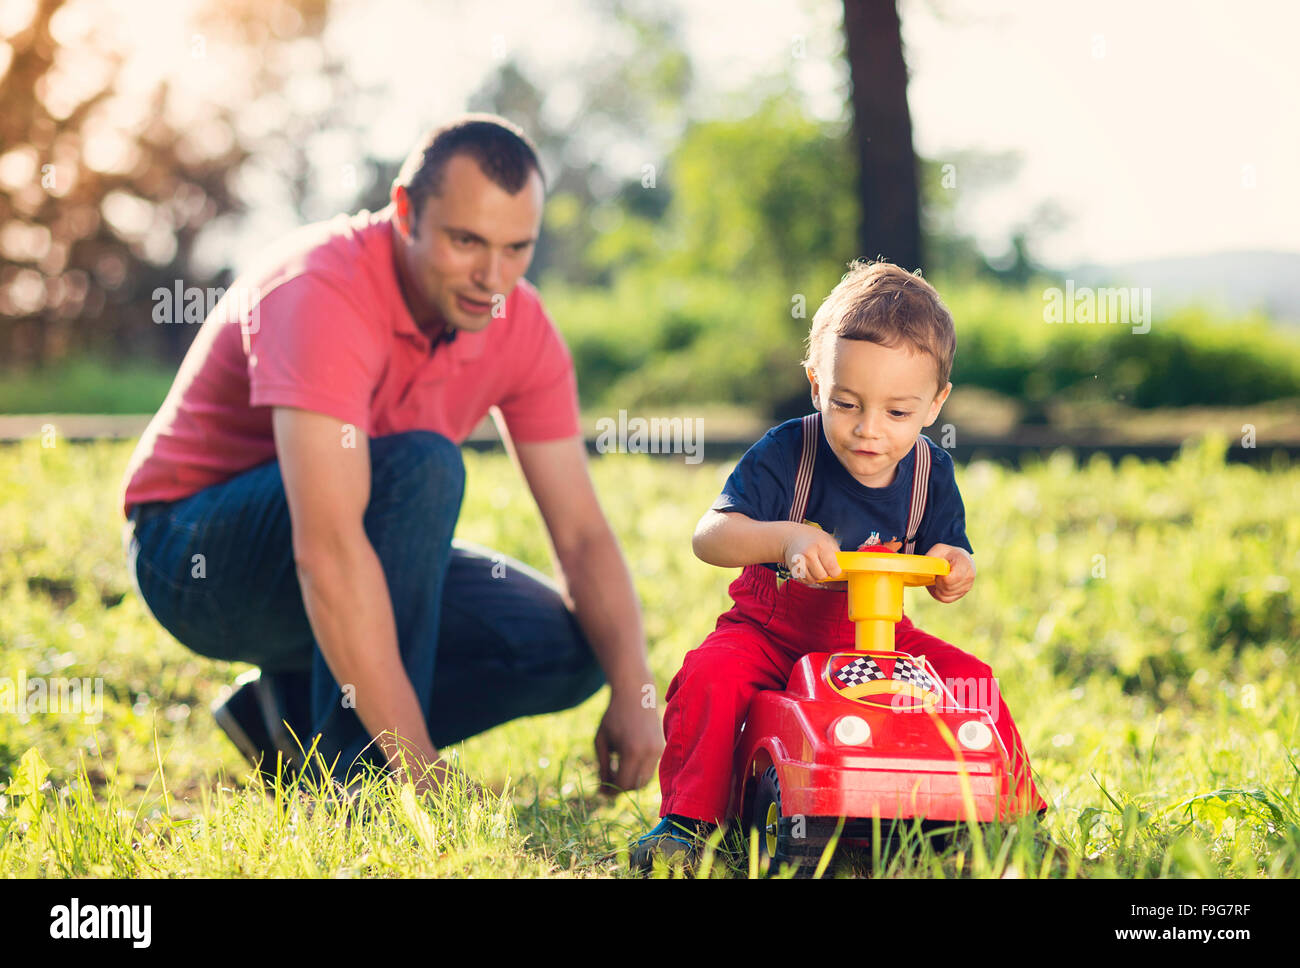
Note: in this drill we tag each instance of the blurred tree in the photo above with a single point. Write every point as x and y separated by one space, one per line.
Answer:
294 104
602 127
890 226
609 140
757 226
104 188
751 198
1018 266
100 198
949 187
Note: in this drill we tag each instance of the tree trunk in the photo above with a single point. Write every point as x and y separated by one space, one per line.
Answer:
882 130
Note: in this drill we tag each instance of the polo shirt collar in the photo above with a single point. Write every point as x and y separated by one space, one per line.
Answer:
463 347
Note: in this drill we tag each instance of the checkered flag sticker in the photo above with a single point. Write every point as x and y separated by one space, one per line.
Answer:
908 671
864 669
860 670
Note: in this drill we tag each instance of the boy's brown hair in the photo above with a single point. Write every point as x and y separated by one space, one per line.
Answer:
882 303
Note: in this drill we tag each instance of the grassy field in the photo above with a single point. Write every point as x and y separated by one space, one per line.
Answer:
1141 618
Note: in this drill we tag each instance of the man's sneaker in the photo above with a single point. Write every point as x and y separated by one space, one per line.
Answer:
285 699
677 839
252 716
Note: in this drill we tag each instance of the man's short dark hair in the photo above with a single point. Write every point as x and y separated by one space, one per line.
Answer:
501 149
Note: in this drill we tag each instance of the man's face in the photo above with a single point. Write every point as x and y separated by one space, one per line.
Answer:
473 243
874 401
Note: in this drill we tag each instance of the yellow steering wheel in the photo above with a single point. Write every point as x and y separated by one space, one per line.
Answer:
875 592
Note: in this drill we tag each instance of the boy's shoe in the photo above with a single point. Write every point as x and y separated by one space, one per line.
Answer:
677 839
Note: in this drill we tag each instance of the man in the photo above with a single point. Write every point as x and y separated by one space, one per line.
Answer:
292 503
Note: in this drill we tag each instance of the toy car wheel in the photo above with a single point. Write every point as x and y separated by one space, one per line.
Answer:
767 815
766 819
776 843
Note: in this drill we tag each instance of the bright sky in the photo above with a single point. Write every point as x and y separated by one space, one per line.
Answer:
1162 127
1165 128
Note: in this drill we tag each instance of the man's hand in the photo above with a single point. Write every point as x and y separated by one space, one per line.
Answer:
630 730
599 587
344 591
440 776
960 577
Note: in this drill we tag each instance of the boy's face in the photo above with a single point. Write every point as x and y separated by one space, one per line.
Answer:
874 401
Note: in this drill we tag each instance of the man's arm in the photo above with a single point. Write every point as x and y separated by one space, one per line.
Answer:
599 586
343 586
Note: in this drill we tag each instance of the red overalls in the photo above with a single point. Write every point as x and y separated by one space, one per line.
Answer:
755 646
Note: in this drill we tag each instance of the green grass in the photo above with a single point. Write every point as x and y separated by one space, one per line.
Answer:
1140 617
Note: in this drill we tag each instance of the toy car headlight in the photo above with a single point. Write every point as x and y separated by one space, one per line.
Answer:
974 735
852 731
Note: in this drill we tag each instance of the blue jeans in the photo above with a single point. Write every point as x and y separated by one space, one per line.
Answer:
484 639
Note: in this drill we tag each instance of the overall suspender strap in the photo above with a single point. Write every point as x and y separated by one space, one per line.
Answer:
803 479
920 487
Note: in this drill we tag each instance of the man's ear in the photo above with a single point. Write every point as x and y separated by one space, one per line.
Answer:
402 204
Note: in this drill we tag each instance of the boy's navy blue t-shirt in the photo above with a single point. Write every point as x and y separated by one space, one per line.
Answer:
762 487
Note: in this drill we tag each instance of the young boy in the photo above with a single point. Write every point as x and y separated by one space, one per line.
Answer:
880 350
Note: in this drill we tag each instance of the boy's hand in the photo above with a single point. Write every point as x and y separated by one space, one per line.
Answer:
809 553
960 577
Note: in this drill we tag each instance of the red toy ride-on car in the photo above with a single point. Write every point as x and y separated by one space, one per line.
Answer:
866 734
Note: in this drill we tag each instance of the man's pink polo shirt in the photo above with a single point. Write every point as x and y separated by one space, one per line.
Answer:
321 325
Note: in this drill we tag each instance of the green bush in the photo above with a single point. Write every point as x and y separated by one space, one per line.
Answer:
651 341
86 385
654 339
1187 358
